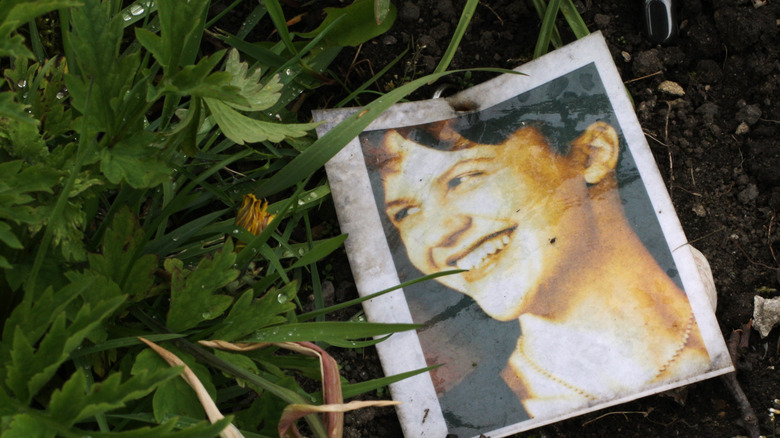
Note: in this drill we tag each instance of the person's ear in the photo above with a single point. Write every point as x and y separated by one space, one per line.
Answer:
599 146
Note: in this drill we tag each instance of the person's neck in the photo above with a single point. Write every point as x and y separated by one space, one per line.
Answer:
617 282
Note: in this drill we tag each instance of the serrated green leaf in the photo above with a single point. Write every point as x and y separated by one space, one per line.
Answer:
120 243
8 237
152 43
242 129
259 96
193 297
357 24
181 29
71 403
12 46
27 426
248 315
34 316
11 109
30 369
91 24
134 160
198 80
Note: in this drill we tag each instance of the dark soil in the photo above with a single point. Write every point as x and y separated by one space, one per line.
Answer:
717 148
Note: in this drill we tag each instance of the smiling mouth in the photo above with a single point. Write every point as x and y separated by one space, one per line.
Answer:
482 253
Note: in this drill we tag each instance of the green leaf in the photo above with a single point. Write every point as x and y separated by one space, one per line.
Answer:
259 96
242 129
574 19
33 316
357 24
546 31
181 29
174 397
193 297
198 80
17 185
14 13
11 109
8 237
136 161
30 369
353 389
321 250
71 403
120 243
326 331
27 426
249 315
381 9
22 11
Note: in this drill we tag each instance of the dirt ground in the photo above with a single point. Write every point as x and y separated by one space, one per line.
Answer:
717 148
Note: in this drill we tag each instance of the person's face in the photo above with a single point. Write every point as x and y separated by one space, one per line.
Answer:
508 214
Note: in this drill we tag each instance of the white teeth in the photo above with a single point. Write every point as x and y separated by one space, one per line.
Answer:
479 255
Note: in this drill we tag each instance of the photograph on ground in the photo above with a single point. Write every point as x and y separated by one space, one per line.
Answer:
568 297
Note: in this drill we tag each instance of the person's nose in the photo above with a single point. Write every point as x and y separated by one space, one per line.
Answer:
446 237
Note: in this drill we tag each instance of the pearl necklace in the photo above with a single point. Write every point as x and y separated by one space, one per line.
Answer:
679 349
664 367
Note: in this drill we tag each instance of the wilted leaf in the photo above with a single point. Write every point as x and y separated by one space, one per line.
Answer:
294 412
203 395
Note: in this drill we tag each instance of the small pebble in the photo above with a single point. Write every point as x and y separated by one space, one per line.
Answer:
671 88
742 129
699 210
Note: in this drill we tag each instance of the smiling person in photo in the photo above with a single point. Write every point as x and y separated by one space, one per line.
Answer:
540 231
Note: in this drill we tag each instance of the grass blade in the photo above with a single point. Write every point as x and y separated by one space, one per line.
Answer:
327 331
313 314
548 24
463 24
277 16
352 389
574 19
555 38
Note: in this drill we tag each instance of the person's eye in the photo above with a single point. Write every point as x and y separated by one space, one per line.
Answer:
462 178
405 212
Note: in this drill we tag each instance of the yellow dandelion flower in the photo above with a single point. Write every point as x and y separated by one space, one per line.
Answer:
253 214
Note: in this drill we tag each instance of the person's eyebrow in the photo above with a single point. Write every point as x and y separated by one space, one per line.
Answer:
454 169
397 202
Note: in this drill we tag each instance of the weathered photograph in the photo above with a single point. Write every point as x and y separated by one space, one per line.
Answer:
564 295
524 197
